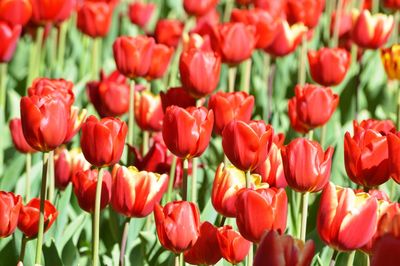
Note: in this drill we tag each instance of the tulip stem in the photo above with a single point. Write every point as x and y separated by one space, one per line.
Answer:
222 221
34 67
228 9
24 239
171 178
61 46
398 108
249 260
304 216
375 6
50 174
350 260
185 178
245 79
248 179
95 57
39 244
338 16
323 135
96 218
3 118
123 242
231 78
145 143
131 115
28 165
267 68
302 67
311 134
333 258
195 164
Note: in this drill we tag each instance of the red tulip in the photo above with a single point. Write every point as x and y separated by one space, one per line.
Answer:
311 107
199 8
345 23
187 132
18 137
178 225
287 38
103 141
9 37
200 71
133 55
28 221
394 156
148 111
85 183
372 31
345 220
134 193
44 121
230 106
44 11
384 127
110 95
366 156
160 60
247 145
304 11
141 13
276 249
261 210
75 122
169 32
94 18
386 251
234 248
176 96
276 8
15 12
392 4
57 88
10 206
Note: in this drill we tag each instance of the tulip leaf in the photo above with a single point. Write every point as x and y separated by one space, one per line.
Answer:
51 255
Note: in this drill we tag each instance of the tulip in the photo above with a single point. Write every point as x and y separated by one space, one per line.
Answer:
287 38
206 249
391 61
10 206
311 107
394 156
75 122
366 156
276 8
169 32
276 249
199 8
141 13
138 50
15 12
110 95
392 4
346 221
384 127
178 225
261 210
160 60
304 11
263 22
372 31
345 23
44 121
176 96
134 193
329 66
230 106
386 251
9 37
85 182
103 141
44 11
148 111
247 145
18 137
187 132
94 18
28 221
58 88
234 248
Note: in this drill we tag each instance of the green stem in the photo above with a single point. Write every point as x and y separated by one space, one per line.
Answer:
310 134
350 260
333 258
3 118
96 219
228 9
222 221
145 143
39 244
24 239
375 6
323 135
249 259
85 56
267 68
52 54
246 77
61 46
51 176
96 57
195 163
304 213
123 242
231 78
303 62
171 178
131 118
338 15
28 176
185 179
395 33
248 179
34 68
398 107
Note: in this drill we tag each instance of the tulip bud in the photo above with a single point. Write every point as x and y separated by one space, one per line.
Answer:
17 12
94 18
57 88
28 221
141 13
176 96
234 248
18 137
160 60
148 111
169 32
10 206
85 183
178 225
345 220
9 37
103 141
304 11
391 61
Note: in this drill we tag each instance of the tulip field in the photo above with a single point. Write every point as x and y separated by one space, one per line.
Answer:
200 132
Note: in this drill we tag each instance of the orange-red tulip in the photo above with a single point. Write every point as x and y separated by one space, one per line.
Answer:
44 11
58 88
148 111
169 32
160 60
9 37
15 12
307 12
94 18
140 13
234 248
18 137
10 206
394 156
199 8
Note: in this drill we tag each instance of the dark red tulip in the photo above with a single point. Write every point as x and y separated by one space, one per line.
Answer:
44 121
94 18
85 183
103 141
176 96
160 60
178 225
234 248
304 11
311 107
261 210
392 4
329 66
199 8
345 220
57 88
386 251
28 221
18 137
200 71
228 106
366 156
394 156
187 132
10 206
169 32
140 13
148 111
44 11
133 55
134 193
206 249
15 12
9 36
247 144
